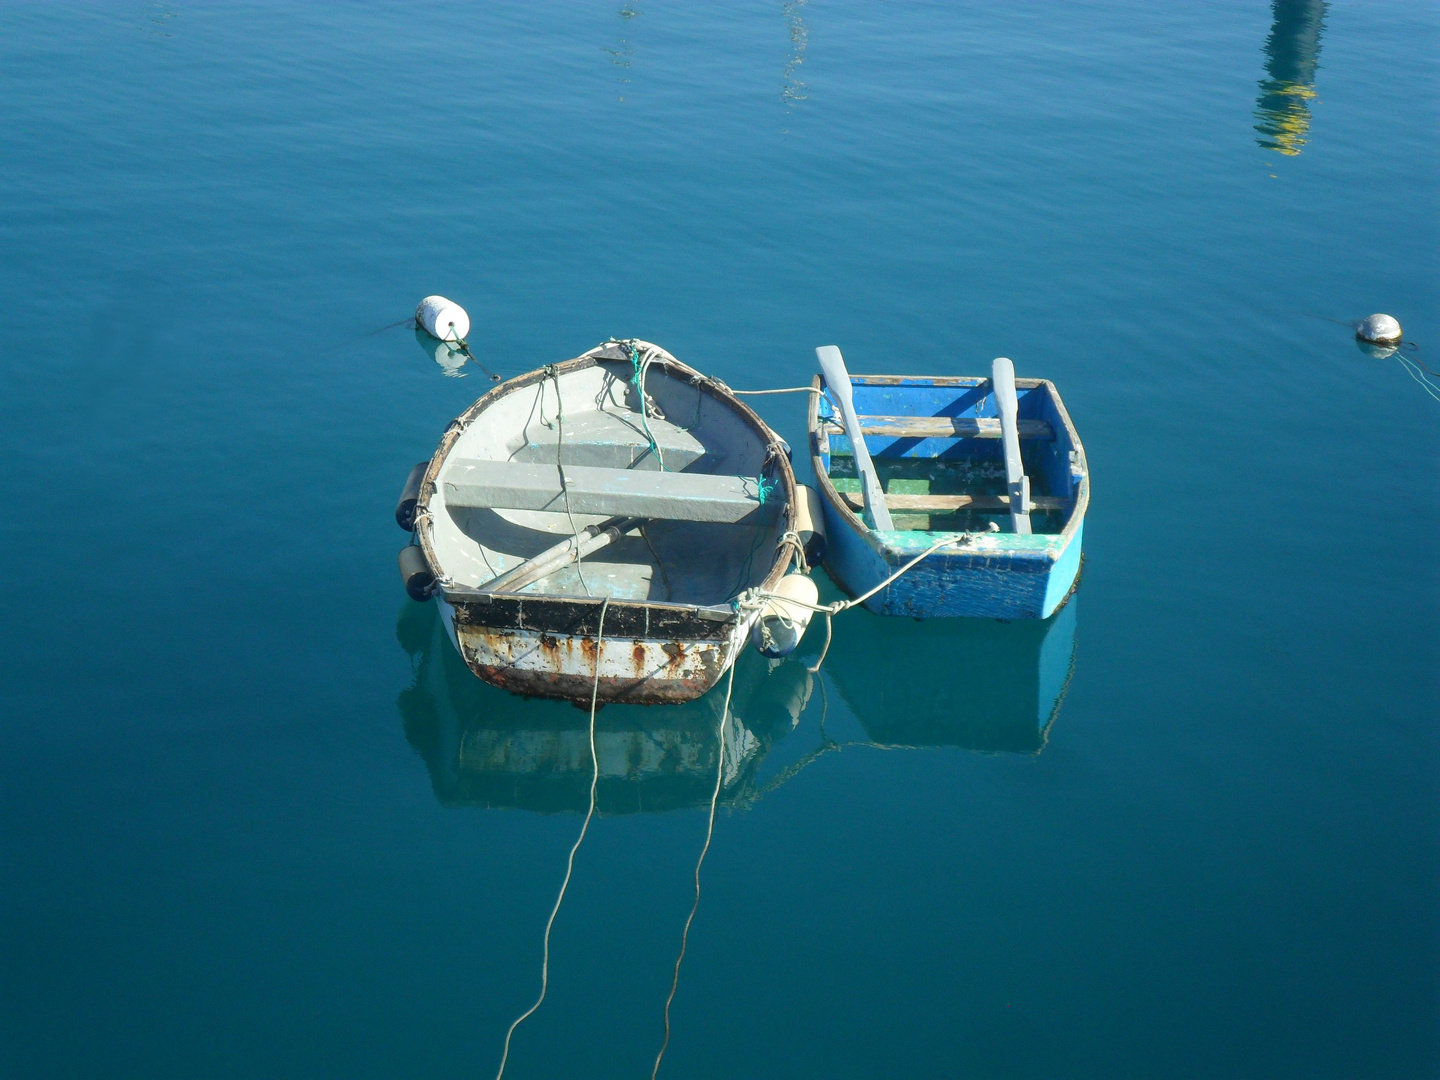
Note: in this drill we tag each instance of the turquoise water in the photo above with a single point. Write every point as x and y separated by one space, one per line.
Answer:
246 824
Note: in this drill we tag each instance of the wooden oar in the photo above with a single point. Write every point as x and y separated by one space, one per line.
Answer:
832 366
590 540
1002 377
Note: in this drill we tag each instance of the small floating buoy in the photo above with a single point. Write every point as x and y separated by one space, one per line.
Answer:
781 625
810 523
443 319
415 572
409 496
1380 330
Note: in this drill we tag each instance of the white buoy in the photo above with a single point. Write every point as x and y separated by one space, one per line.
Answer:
443 319
782 624
1380 329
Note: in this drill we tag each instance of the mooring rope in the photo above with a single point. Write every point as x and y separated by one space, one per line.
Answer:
755 599
570 862
640 367
1408 364
564 485
782 390
709 834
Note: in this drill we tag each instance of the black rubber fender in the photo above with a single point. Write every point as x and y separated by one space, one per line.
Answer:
409 496
415 573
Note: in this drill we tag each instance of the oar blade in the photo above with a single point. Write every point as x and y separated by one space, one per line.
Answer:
837 378
1002 378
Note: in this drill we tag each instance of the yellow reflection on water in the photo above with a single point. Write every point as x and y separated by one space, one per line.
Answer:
1292 54
792 88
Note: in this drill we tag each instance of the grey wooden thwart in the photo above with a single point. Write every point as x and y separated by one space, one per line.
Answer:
949 427
665 496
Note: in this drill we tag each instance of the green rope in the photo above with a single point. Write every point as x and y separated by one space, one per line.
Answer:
764 488
637 380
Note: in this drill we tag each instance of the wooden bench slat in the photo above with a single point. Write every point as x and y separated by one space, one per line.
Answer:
948 427
668 496
944 504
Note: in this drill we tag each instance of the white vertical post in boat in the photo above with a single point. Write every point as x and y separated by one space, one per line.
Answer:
1002 377
832 366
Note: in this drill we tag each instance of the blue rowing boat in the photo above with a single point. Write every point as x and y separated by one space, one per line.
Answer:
1002 472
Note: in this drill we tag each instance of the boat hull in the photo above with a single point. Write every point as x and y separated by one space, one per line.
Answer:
551 648
997 576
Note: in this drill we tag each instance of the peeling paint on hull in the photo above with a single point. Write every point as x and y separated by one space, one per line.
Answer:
641 671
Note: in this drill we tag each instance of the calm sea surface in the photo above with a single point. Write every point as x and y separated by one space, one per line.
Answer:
251 818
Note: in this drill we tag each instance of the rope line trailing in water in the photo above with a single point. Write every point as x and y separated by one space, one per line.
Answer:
463 348
570 862
1409 365
709 834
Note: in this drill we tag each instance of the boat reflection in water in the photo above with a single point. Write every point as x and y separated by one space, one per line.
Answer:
1292 54
485 749
977 684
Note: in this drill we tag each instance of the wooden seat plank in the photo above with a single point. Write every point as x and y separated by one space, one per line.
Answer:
944 504
948 427
668 496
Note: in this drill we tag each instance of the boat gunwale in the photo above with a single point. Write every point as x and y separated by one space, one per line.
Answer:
472 596
872 536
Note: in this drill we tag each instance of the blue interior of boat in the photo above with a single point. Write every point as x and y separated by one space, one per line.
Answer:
943 465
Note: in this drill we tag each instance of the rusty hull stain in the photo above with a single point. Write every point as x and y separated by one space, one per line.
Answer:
542 665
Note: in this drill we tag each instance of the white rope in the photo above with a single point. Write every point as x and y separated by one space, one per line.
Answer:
790 538
783 390
755 599
709 833
570 863
1425 383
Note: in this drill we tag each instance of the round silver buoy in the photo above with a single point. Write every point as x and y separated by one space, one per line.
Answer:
1379 329
443 319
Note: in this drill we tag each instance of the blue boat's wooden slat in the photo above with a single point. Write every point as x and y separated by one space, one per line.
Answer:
946 427
948 504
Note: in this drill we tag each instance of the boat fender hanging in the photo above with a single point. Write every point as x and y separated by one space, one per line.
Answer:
415 572
1379 330
781 624
810 523
409 496
443 319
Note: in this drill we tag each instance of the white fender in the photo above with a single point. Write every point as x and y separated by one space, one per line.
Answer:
781 625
